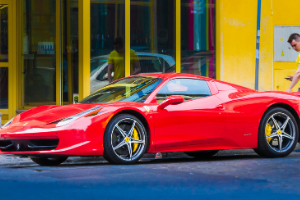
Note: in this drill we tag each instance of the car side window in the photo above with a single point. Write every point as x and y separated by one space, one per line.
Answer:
188 88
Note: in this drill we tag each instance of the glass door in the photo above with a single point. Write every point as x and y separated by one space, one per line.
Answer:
38 56
4 61
49 58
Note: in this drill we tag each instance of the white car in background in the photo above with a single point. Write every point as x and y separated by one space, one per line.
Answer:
149 62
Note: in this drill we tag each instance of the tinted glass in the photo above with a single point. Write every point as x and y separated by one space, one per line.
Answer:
38 52
69 73
198 37
152 34
132 89
3 87
107 42
188 88
4 33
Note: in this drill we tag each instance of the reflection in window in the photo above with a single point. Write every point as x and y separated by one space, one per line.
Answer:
188 88
38 52
131 89
70 51
107 42
197 37
152 34
3 33
3 87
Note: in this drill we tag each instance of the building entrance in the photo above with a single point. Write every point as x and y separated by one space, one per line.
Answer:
49 67
7 59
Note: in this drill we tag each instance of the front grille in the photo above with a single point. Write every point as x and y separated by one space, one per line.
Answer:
28 145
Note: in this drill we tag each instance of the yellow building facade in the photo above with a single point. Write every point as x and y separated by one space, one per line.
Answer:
236 42
53 51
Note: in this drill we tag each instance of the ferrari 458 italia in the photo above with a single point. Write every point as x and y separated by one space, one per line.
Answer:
157 113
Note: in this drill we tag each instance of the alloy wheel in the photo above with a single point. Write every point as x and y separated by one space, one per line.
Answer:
280 132
128 139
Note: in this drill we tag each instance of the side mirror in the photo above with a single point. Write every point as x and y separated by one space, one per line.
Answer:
171 100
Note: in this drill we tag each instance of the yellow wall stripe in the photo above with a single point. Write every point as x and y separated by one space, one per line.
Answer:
84 48
178 36
12 57
219 36
127 37
58 52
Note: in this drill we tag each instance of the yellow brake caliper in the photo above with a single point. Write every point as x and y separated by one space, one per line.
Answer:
268 131
135 136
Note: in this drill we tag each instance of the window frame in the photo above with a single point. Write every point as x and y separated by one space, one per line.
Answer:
153 96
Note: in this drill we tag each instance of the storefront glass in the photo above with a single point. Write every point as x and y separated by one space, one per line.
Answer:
197 37
69 73
4 33
153 35
38 52
3 87
107 42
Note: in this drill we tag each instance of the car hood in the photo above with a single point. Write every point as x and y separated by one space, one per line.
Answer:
48 115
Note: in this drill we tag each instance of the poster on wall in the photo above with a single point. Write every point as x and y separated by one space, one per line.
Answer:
283 52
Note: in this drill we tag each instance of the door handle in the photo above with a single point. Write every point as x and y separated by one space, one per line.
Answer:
221 106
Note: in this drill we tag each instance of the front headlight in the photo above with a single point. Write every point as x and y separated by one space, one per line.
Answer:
7 123
68 120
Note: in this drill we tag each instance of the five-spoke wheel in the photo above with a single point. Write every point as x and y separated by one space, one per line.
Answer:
125 140
278 133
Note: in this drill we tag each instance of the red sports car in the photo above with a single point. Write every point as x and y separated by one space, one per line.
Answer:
157 113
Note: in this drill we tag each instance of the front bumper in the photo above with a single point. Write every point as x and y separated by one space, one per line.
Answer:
50 141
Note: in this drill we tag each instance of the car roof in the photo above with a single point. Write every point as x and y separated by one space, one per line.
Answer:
176 75
184 75
167 58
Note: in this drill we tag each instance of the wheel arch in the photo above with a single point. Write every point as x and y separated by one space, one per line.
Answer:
290 109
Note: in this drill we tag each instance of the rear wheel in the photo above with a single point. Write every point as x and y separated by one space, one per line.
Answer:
278 134
49 161
201 154
125 140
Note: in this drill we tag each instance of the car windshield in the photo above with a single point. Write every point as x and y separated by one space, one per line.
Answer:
132 89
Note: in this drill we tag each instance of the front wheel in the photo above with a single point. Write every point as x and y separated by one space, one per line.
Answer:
125 140
49 161
278 134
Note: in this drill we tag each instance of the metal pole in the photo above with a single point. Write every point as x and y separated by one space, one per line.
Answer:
0 120
257 44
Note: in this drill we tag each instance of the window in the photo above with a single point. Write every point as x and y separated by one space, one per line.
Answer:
3 87
4 33
107 42
197 37
131 89
153 34
38 52
188 88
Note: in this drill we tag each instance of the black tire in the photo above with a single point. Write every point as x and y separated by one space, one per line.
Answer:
49 161
275 139
202 154
118 143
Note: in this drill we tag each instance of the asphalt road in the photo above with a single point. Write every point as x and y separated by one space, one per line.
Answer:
232 174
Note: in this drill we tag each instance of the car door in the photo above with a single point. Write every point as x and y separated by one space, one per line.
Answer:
199 120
